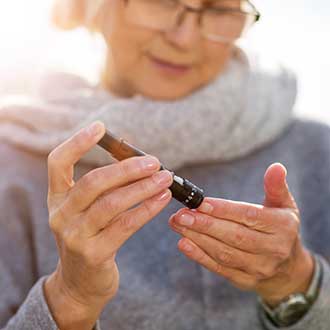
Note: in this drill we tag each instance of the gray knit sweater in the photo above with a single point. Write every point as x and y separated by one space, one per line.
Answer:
160 288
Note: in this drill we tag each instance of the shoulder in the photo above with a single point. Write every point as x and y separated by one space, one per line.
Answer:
310 138
305 134
311 126
303 137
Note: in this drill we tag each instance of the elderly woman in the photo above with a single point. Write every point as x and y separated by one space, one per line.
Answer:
253 255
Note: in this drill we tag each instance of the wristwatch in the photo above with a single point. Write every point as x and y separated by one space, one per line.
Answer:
296 305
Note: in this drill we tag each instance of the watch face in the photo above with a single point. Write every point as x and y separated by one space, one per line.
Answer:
293 310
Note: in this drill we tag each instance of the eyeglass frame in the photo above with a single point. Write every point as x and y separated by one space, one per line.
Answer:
255 13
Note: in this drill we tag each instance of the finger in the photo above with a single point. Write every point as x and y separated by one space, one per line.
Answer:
62 159
129 222
254 216
95 183
98 216
236 277
230 233
277 192
259 266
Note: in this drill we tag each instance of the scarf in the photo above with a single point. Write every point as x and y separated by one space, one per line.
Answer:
244 108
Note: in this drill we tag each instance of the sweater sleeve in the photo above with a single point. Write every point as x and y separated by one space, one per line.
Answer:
318 316
22 302
34 312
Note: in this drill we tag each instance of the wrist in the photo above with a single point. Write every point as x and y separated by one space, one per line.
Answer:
298 279
68 313
296 305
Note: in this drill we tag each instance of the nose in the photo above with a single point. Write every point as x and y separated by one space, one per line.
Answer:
185 34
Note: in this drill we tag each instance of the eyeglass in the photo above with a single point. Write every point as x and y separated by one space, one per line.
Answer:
224 21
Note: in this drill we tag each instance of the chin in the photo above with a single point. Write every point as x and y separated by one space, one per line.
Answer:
165 95
168 91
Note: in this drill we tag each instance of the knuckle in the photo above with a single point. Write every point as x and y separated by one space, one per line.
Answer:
266 272
56 219
250 213
224 257
90 257
253 216
241 240
259 275
148 209
78 141
205 222
125 168
127 223
146 186
283 252
218 269
200 257
107 204
91 179
71 241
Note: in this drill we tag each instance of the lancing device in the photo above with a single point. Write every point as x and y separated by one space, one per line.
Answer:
182 189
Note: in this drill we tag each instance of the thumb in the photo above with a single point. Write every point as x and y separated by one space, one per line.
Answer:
62 159
277 193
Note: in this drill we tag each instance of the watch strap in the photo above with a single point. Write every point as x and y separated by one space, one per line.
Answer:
309 297
314 287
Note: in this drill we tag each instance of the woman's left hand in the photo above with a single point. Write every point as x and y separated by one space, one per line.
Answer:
256 247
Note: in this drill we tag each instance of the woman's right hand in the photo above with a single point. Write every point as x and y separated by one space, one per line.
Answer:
91 219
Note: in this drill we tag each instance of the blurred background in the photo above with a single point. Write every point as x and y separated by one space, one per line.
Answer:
296 32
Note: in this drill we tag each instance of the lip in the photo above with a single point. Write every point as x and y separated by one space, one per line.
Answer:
168 66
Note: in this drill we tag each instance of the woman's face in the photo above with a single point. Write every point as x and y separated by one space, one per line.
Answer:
160 65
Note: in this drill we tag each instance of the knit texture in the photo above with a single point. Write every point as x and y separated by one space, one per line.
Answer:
247 106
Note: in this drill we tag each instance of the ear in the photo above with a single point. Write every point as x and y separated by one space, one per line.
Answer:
68 14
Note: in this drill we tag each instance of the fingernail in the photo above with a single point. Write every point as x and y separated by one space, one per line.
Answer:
95 128
186 219
162 177
149 163
186 246
206 208
163 196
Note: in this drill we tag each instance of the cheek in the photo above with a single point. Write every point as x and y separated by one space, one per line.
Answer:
127 42
128 48
216 55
